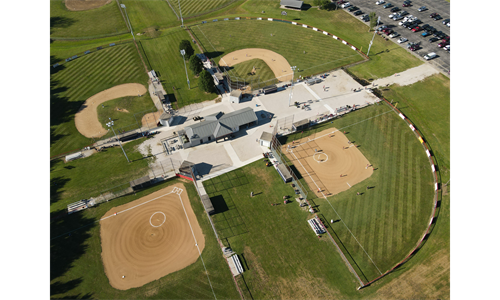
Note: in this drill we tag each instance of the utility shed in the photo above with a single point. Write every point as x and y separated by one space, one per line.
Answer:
292 4
235 96
265 139
166 119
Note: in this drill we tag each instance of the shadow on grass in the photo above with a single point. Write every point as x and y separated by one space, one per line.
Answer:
56 186
61 22
61 109
219 204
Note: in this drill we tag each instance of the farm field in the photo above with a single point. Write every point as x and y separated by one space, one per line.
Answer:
396 210
77 80
162 55
322 52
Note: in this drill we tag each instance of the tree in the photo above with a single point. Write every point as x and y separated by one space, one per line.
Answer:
195 64
323 4
206 82
186 45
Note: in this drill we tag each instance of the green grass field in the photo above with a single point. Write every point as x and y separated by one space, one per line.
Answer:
77 80
387 220
98 22
144 14
162 55
322 52
195 7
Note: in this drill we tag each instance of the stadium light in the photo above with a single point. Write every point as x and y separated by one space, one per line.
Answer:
291 89
371 42
110 124
183 52
180 11
125 9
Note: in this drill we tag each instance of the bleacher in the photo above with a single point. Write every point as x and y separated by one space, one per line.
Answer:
316 226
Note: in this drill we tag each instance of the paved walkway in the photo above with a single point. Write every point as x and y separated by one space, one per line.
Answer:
407 77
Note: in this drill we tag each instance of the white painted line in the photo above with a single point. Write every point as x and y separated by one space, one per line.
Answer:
348 184
332 111
158 212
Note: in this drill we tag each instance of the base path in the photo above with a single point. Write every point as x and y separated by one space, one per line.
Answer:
86 118
278 64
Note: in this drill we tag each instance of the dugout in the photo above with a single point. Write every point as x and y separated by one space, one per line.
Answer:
140 183
301 125
205 200
185 170
284 173
270 89
129 136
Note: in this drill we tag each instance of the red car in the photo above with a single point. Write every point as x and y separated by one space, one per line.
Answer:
406 5
416 29
433 15
442 44
387 30
414 47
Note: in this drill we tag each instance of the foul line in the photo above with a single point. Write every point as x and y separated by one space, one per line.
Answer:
197 247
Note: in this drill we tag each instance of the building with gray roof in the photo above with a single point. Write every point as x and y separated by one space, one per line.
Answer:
217 126
291 4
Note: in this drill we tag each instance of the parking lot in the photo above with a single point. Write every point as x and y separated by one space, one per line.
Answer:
442 7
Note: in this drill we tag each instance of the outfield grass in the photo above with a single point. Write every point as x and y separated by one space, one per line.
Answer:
83 178
388 219
151 13
101 21
77 270
162 55
196 7
322 52
77 80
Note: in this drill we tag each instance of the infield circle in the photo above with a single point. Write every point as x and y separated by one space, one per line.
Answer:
319 154
158 212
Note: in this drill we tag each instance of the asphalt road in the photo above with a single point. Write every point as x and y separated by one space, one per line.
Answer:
442 7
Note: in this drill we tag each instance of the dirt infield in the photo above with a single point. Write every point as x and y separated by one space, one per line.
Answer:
278 64
150 120
150 238
86 118
78 5
328 161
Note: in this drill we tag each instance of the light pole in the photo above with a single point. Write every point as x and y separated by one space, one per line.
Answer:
125 9
291 89
110 124
182 20
183 53
371 42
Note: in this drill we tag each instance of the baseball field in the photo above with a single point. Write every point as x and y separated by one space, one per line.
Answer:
367 176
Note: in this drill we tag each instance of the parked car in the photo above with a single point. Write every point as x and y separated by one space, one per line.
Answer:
442 44
402 40
441 35
432 40
395 9
352 8
416 29
447 48
412 26
418 21
436 18
414 47
345 5
436 34
397 17
393 35
446 38
358 12
425 26
422 8
402 23
433 15
446 21
382 27
430 55
388 5
387 31
448 24
406 4
380 2
403 13
366 18
392 15
425 33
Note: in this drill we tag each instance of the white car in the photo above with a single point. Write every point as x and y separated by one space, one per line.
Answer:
397 18
393 35
408 17
380 2
402 40
346 5
430 56
447 48
392 15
